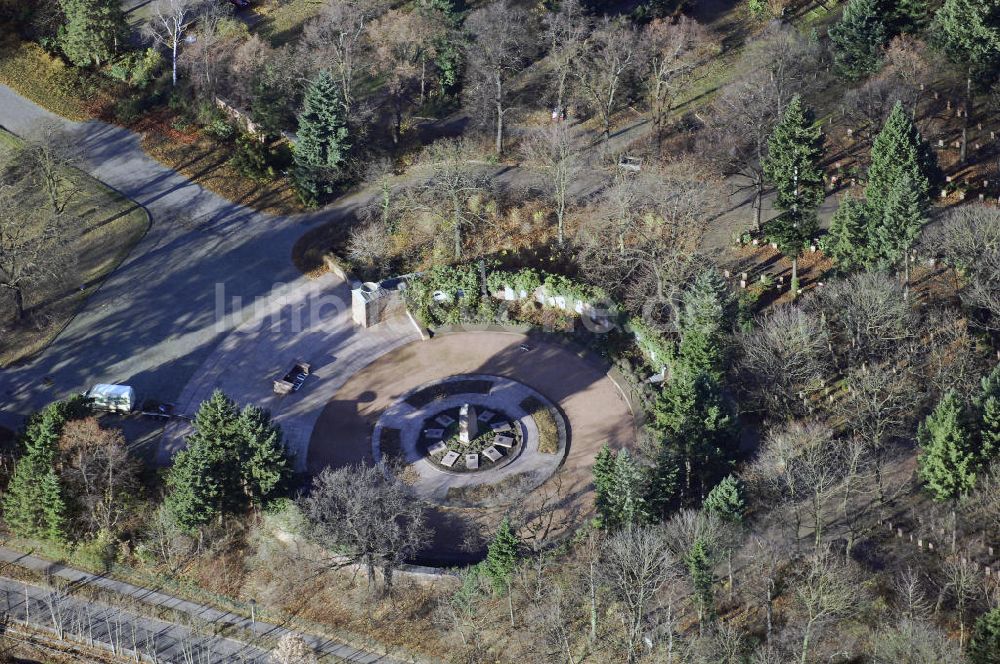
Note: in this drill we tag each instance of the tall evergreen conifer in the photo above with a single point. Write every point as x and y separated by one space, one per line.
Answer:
858 39
793 165
988 411
847 241
92 30
898 154
321 144
947 461
501 556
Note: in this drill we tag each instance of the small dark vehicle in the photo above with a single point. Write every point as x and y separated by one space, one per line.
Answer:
293 380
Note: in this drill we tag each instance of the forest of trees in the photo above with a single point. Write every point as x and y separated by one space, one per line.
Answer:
793 203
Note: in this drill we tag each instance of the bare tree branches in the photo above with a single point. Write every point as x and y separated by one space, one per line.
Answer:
362 512
784 358
501 37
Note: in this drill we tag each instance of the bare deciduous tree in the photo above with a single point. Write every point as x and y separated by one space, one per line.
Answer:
32 246
805 464
501 38
969 239
549 151
369 245
826 591
671 49
784 357
914 642
868 317
337 39
566 30
292 649
100 473
363 513
169 21
636 564
402 41
456 196
646 241
608 65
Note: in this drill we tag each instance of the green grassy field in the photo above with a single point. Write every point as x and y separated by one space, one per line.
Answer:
109 226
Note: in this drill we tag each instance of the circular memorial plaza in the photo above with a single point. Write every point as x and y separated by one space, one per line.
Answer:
409 402
471 430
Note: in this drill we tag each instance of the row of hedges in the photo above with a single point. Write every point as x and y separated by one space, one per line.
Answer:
459 301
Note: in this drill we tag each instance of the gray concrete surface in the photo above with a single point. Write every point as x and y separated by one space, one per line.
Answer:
154 321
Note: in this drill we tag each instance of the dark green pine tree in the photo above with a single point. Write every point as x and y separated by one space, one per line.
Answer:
904 218
33 505
663 483
699 565
707 310
321 144
847 240
92 31
969 32
793 166
898 153
947 461
502 556
603 471
206 476
858 39
726 500
53 524
988 410
195 492
909 16
984 646
628 501
265 467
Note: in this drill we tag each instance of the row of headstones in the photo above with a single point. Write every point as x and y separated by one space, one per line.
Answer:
779 284
923 544
557 301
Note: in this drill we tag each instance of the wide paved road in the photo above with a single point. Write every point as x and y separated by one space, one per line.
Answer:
154 320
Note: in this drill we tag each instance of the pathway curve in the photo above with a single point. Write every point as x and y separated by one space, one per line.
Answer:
156 319
200 612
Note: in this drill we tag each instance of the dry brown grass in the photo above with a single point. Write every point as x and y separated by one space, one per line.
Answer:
206 162
548 432
110 225
46 80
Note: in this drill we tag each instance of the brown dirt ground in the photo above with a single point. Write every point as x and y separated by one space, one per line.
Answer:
595 411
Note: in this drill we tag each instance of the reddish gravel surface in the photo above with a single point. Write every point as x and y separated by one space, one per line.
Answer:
595 410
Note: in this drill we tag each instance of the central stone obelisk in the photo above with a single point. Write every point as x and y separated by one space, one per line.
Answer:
468 427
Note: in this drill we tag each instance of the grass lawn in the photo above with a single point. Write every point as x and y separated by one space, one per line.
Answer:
110 225
46 80
281 22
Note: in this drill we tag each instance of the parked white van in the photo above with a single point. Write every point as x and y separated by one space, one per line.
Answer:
115 398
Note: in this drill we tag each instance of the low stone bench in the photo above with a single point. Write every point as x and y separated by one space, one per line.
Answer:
444 420
492 453
500 427
449 459
486 416
434 433
437 448
472 460
503 441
